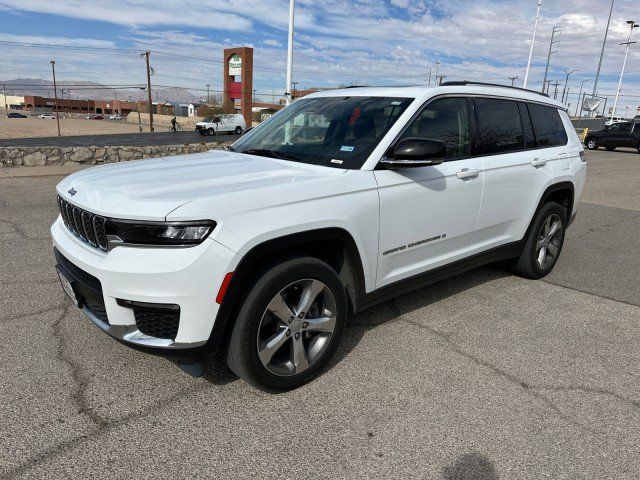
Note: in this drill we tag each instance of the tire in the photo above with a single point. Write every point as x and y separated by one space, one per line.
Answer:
274 369
211 132
610 149
592 144
528 264
238 130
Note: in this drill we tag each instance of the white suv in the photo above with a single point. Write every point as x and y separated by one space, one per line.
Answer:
341 200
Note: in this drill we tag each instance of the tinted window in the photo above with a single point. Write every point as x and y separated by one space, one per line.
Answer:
547 125
498 125
446 120
336 132
527 127
625 127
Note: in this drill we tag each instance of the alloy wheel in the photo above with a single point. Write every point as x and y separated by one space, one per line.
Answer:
549 242
591 144
296 327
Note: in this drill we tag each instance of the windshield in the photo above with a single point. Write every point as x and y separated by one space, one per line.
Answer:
208 120
331 131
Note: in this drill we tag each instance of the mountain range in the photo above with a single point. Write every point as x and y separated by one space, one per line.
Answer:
85 90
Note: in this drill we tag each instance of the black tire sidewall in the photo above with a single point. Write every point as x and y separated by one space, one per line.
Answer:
242 345
238 130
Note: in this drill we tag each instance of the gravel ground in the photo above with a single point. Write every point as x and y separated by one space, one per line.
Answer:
483 376
38 127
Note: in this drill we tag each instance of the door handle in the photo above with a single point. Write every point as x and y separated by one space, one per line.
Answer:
464 174
538 162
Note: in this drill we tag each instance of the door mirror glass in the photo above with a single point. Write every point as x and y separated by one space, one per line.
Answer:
416 152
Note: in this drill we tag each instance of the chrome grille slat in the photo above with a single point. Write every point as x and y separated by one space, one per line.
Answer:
85 225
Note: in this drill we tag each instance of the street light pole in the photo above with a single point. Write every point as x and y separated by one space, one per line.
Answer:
208 98
633 25
546 70
6 107
513 80
287 93
533 39
566 80
55 93
580 95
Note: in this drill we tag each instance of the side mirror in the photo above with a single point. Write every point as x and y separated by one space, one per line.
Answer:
416 152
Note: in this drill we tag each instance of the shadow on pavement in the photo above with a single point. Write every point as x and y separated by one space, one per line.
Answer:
470 466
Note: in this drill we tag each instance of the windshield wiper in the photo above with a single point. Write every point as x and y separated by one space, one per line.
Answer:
265 152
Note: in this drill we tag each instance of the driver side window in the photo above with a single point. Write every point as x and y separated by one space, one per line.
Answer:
446 120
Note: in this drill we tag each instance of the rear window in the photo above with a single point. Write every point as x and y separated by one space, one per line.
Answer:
498 125
547 125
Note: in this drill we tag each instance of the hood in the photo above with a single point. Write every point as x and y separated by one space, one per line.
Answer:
151 189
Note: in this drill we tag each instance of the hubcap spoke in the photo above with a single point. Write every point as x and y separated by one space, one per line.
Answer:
272 345
309 294
541 256
322 324
280 309
547 226
553 250
553 230
300 361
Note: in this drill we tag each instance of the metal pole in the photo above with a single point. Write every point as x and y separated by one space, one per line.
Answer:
533 39
208 98
581 103
287 93
546 70
513 80
6 107
633 25
55 93
604 42
429 75
146 56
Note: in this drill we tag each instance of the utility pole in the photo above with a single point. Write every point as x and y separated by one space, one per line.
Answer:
604 43
555 92
429 76
287 93
208 98
146 56
513 80
6 107
438 62
533 39
55 93
632 24
556 30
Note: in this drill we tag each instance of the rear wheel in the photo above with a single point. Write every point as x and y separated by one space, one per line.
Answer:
238 130
544 243
592 144
289 325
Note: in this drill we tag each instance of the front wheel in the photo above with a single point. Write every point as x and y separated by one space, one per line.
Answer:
592 144
289 325
238 130
543 244
211 132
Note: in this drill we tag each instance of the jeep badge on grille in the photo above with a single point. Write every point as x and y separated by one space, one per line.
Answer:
72 191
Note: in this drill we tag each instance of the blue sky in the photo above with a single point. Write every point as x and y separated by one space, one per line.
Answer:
337 41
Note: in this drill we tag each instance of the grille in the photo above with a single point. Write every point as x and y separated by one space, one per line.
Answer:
96 307
160 320
88 227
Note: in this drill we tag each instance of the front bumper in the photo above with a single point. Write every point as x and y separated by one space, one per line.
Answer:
187 277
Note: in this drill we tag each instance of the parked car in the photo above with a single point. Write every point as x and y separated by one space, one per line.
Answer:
622 134
116 116
97 117
232 123
47 116
15 115
263 251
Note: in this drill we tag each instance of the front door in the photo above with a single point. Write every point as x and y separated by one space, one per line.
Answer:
428 215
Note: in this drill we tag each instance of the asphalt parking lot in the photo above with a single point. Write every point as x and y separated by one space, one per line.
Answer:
483 376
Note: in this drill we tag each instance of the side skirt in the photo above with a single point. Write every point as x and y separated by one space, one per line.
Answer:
503 252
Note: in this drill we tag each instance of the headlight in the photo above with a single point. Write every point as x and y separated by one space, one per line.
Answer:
136 232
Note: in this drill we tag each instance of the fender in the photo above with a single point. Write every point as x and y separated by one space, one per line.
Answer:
352 275
551 189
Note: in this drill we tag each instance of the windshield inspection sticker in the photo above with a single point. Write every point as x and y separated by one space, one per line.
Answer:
347 148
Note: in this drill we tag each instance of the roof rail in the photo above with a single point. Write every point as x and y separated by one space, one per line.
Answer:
467 82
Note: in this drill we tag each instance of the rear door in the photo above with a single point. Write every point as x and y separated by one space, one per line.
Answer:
516 171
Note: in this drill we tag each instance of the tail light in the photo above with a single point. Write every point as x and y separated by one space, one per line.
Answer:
583 156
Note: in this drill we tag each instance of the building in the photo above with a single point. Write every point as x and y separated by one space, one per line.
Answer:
69 106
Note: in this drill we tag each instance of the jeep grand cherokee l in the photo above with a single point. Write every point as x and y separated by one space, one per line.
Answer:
340 200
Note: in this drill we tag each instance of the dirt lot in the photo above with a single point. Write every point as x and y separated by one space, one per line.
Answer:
484 376
36 127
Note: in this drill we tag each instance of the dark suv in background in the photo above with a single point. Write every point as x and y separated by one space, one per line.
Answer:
622 134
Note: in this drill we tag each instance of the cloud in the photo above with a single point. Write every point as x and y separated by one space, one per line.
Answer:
271 42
